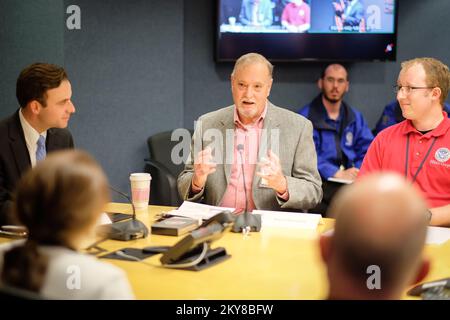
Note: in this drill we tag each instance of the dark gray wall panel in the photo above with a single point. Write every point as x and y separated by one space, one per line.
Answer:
30 31
125 65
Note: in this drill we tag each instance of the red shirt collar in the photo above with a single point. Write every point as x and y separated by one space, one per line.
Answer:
441 129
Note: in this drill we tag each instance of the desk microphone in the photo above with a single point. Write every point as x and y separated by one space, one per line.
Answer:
129 229
246 221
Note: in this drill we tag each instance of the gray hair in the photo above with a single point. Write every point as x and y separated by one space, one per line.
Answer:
251 58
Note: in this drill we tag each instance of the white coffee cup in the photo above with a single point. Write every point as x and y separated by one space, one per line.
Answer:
140 190
232 21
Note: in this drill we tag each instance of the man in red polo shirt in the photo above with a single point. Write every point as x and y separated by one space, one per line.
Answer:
419 147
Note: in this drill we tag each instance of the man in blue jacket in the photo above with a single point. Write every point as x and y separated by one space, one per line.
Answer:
341 134
392 114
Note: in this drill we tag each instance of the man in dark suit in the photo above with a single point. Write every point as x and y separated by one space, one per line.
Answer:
38 127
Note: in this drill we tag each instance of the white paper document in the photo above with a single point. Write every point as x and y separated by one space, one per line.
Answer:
198 211
104 219
437 235
293 220
343 181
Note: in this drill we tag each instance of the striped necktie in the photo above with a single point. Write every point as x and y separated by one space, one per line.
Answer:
41 152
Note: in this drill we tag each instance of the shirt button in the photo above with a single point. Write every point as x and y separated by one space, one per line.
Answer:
417 153
420 141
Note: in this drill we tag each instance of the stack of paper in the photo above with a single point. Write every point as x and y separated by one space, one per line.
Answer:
343 181
197 211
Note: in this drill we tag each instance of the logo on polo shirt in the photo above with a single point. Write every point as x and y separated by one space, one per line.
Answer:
349 139
442 155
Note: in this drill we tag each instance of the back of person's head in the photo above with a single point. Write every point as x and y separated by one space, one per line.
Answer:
35 80
59 201
381 224
251 58
437 74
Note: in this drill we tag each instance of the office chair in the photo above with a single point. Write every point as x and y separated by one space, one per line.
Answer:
164 172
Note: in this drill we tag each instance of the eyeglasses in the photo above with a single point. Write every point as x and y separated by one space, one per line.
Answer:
408 89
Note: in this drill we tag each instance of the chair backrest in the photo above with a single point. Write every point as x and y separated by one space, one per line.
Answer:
163 170
160 148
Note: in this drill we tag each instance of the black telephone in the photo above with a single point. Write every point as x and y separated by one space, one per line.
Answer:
193 252
433 290
225 218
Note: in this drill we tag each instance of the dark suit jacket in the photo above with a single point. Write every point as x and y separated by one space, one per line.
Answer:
15 160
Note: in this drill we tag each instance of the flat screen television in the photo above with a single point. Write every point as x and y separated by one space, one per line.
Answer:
296 30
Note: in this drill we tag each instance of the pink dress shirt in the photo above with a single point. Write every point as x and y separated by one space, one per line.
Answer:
249 136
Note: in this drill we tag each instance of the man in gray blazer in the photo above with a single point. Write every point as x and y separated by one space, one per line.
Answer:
255 144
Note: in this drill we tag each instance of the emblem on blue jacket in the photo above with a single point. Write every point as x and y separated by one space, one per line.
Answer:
442 154
348 139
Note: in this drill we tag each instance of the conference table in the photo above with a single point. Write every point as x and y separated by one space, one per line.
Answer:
272 264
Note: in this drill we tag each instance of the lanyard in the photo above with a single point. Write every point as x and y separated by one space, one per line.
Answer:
421 164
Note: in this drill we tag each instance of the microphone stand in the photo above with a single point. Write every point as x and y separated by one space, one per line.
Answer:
246 222
128 229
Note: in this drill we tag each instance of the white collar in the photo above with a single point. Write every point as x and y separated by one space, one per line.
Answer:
30 133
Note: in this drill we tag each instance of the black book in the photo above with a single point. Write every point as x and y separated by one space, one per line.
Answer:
174 226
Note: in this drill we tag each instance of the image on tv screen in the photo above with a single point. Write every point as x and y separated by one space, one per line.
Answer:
295 30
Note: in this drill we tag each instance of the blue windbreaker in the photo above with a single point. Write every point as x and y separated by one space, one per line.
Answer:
345 145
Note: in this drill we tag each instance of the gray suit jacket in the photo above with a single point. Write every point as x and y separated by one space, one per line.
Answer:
296 152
